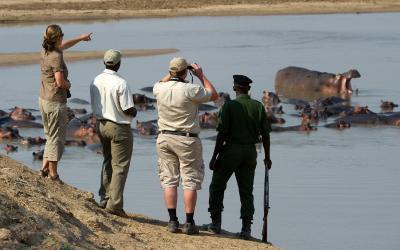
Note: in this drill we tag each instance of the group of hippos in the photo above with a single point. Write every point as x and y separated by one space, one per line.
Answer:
332 93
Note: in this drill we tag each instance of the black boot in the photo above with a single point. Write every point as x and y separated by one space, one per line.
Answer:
245 234
215 226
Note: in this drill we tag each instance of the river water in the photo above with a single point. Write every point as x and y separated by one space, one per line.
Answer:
329 189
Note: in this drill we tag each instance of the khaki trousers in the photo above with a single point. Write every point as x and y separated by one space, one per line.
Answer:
54 118
117 142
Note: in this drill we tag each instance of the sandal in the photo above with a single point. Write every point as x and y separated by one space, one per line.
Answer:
44 172
56 179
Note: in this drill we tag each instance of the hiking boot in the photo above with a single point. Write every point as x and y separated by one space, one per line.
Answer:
102 204
173 226
118 212
245 234
214 227
189 228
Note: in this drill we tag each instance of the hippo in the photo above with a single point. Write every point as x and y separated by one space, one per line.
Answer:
270 99
338 125
3 113
9 133
272 119
360 118
223 97
79 111
277 110
77 129
388 106
38 155
21 124
78 101
300 82
88 119
147 128
298 103
208 120
147 89
305 126
75 143
329 101
21 114
30 141
391 119
95 147
206 107
143 102
10 148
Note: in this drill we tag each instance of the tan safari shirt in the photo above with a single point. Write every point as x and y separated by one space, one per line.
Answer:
51 63
177 104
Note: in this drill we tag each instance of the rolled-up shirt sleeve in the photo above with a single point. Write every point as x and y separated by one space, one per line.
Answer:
198 94
125 97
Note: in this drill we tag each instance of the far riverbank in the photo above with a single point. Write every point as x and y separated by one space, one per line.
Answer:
25 11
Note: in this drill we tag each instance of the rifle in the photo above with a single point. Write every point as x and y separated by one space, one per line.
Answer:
266 205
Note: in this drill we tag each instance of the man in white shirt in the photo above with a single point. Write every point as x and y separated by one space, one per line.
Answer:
113 107
178 145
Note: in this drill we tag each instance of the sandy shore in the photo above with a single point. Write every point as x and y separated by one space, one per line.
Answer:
12 59
17 11
36 213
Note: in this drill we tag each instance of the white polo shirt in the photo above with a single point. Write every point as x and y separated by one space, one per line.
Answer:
110 96
178 104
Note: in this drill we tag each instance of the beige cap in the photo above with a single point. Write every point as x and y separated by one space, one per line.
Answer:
178 64
112 57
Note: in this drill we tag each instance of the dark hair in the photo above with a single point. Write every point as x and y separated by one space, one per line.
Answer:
113 67
51 36
241 89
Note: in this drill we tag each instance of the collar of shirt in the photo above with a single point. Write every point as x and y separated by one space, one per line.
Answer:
109 71
243 96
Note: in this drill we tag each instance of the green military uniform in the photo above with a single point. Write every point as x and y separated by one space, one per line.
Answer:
242 121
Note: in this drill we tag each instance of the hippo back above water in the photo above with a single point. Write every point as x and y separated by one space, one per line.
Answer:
296 82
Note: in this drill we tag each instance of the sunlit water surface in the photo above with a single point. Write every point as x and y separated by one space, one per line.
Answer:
329 189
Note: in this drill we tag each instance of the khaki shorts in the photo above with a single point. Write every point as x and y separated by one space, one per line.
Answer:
180 158
54 118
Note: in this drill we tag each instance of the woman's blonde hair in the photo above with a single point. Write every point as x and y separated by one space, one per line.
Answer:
51 36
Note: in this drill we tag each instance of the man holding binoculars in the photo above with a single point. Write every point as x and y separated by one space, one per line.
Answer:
178 146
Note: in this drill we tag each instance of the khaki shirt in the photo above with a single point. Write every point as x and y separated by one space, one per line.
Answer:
243 120
110 96
177 104
51 63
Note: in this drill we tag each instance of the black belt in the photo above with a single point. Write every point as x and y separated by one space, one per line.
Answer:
106 120
178 133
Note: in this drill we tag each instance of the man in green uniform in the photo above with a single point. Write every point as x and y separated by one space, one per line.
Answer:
241 122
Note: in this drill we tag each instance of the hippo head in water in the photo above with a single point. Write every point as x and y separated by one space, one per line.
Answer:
146 128
21 114
344 81
10 148
208 120
343 124
270 99
302 83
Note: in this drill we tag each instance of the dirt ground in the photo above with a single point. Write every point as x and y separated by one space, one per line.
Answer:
36 213
15 11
